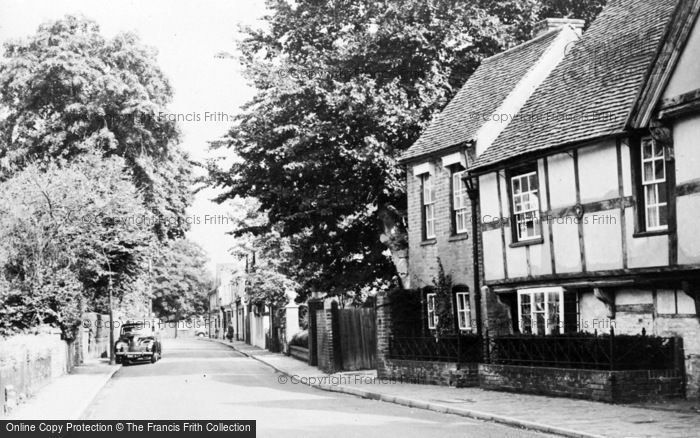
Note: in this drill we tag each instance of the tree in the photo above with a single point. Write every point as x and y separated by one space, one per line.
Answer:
67 91
180 281
270 256
586 10
66 229
344 88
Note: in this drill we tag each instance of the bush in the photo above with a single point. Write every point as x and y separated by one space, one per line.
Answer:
406 312
300 339
584 350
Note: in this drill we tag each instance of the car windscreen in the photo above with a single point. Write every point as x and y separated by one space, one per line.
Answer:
136 330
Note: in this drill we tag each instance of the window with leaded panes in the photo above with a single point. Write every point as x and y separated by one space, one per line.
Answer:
428 206
654 188
463 313
432 315
460 203
526 206
541 311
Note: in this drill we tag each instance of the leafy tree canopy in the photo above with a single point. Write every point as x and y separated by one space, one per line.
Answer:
180 281
345 87
65 231
66 91
270 256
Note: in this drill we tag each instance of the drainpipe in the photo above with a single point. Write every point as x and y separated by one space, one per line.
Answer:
473 193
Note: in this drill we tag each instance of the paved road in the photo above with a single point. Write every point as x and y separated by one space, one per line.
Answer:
197 379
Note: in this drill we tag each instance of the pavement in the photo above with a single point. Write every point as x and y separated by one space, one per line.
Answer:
561 416
197 379
68 396
209 379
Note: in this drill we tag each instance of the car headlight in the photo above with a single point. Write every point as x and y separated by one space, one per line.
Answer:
120 346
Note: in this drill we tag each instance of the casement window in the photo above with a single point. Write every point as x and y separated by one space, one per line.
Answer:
460 212
541 311
432 315
463 314
654 186
526 206
428 206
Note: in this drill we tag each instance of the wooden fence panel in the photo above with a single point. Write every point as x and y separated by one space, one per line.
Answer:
358 341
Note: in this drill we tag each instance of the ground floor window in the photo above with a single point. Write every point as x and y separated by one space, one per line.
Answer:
463 313
541 311
432 316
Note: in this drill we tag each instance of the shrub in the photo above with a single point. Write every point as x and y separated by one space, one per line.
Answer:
300 339
406 312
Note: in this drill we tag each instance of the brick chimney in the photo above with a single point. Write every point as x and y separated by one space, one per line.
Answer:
548 24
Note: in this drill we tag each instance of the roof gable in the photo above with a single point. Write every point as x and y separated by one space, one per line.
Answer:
483 93
591 92
678 52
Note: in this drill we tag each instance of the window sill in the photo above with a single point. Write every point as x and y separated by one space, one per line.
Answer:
530 242
458 237
428 242
650 233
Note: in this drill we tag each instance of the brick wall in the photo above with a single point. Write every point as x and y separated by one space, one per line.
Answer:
413 371
299 353
432 373
454 251
313 306
608 386
326 340
383 324
689 329
642 307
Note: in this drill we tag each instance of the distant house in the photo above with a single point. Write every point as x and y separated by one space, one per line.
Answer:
439 207
226 292
214 314
589 199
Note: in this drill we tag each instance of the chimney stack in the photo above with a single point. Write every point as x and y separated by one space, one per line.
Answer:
549 24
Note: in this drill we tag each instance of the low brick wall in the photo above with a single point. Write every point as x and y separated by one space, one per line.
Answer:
608 386
27 363
299 353
631 386
430 373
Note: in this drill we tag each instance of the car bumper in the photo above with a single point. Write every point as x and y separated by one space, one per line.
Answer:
134 354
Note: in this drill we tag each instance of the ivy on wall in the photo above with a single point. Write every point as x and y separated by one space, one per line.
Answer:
443 302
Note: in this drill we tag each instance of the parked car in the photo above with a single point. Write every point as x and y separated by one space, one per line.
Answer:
201 332
138 341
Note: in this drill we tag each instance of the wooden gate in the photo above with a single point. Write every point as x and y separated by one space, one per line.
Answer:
358 340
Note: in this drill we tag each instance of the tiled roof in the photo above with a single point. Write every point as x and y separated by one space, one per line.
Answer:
481 95
591 92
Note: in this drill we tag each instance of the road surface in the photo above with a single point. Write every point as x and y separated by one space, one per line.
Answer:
198 379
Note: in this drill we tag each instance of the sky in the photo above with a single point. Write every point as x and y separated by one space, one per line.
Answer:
187 35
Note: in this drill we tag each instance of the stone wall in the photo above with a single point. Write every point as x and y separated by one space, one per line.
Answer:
29 362
93 336
608 386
